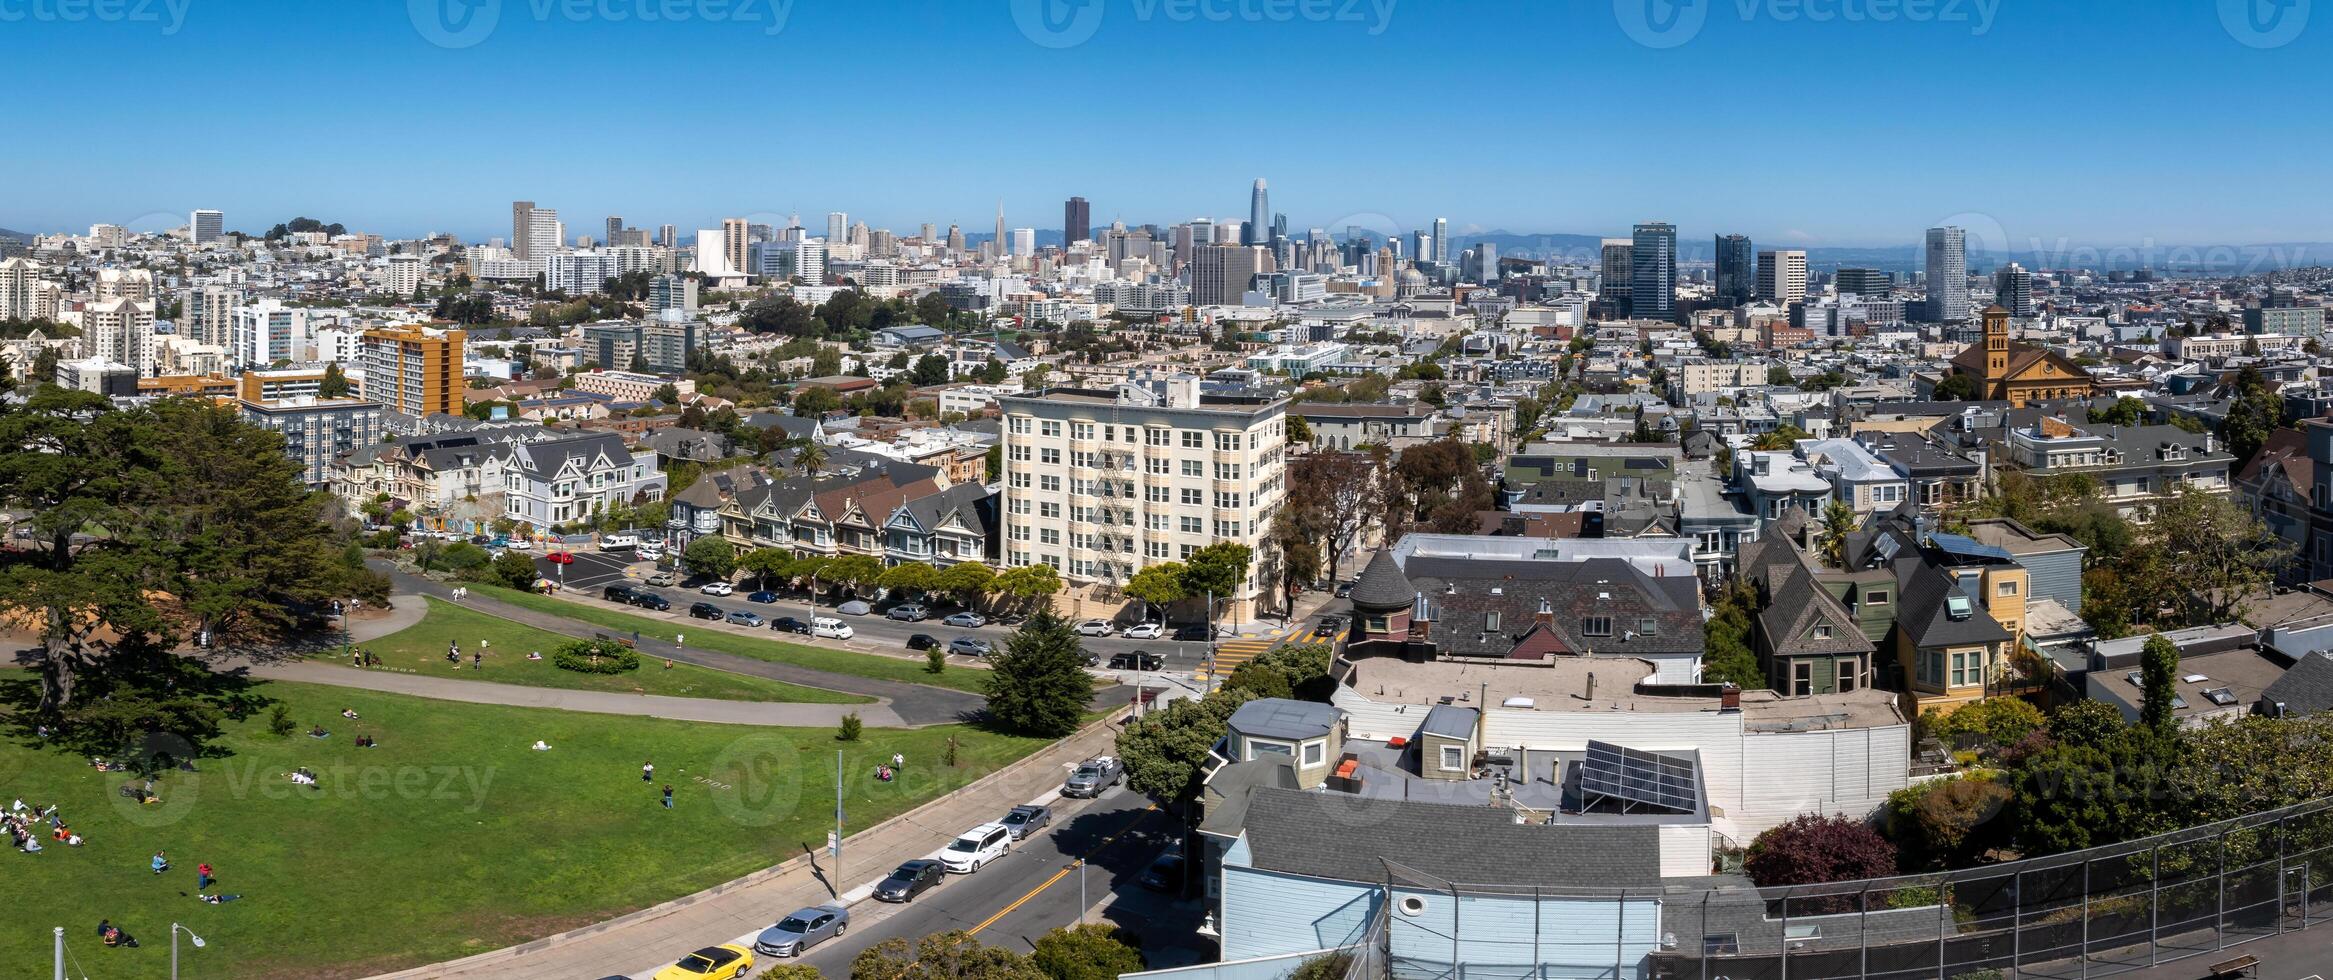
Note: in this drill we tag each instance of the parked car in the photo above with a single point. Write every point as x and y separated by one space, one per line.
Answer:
830 628
650 600
909 880
854 607
717 588
762 596
969 646
745 617
1138 660
807 927
724 962
521 544
1093 776
619 542
1344 590
664 579
965 620
648 551
977 847
618 593
1024 820
788 624
1094 627
1164 874
922 641
1195 633
1144 631
705 610
908 612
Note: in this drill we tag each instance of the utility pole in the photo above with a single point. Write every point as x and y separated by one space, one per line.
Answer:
60 953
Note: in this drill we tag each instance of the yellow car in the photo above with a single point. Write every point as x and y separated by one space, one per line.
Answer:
723 962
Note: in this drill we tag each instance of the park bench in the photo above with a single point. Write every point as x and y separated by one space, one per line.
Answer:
2242 966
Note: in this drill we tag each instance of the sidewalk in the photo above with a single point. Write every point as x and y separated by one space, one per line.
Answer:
781 713
642 941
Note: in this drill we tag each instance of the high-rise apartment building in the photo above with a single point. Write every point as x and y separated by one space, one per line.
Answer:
522 223
206 226
2013 289
120 331
1782 276
1077 221
18 277
838 227
955 240
1486 258
1024 242
1652 280
1220 274
1441 242
672 292
668 236
1947 260
735 235
1102 483
1614 270
267 332
1737 270
414 370
404 274
206 314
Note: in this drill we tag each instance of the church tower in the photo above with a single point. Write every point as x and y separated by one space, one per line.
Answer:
1996 349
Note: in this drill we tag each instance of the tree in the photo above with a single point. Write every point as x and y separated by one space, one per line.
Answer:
811 458
1728 658
1948 822
942 956
710 556
512 569
1298 671
2214 555
1039 686
1299 430
1027 583
667 393
2001 721
930 369
1955 388
2125 411
2158 672
790 971
1095 951
1327 966
2086 724
1779 375
1838 522
335 383
1218 569
1158 585
1782 439
148 526
967 581
2256 411
853 571
765 564
1813 849
1166 751
910 576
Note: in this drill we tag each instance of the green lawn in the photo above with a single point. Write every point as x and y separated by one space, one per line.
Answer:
421 648
451 838
821 658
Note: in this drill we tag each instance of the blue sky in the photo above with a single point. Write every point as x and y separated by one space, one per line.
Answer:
2096 122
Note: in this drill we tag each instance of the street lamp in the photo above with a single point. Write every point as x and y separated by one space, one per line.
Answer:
175 929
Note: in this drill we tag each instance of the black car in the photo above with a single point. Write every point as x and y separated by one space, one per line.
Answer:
1138 660
705 610
1195 633
1344 590
922 641
650 600
617 593
909 880
788 624
1329 626
1164 874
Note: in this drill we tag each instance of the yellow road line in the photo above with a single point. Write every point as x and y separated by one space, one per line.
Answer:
1058 875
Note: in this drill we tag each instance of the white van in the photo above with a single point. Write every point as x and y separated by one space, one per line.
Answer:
978 846
618 542
830 628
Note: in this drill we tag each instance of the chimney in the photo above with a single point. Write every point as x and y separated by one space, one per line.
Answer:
1546 614
1421 619
1730 699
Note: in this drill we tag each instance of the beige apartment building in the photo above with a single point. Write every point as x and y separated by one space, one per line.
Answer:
1100 483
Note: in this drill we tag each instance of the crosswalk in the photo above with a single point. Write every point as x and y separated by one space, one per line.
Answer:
1230 654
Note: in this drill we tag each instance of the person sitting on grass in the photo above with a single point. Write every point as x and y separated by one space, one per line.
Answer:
348 713
216 899
319 732
366 742
161 862
303 777
535 655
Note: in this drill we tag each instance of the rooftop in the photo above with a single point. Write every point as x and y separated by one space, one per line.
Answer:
1561 684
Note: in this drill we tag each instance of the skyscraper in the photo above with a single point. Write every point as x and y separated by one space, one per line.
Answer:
1782 276
1487 257
207 226
955 240
615 230
735 236
1652 279
2013 289
1077 221
1024 242
1612 283
1865 282
837 227
999 241
668 236
1441 242
1947 256
522 220
1259 216
1221 273
1737 272
544 234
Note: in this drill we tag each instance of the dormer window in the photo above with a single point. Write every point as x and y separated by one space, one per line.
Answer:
1490 622
1596 626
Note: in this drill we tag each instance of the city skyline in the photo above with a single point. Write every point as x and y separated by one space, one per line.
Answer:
2053 186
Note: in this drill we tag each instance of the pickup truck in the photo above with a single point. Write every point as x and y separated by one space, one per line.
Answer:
1093 776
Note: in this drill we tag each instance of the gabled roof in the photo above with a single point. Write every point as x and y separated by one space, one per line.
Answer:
545 459
2306 688
1646 615
1925 614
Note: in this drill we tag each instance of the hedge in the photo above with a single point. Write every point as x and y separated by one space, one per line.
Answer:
595 657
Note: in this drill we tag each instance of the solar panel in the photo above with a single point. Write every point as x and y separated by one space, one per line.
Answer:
1638 778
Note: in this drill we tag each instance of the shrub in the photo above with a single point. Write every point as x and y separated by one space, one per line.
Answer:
1331 966
1812 849
851 725
935 660
595 657
1085 952
279 720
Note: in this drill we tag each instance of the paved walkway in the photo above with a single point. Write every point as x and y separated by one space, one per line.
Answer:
596 702
640 942
914 705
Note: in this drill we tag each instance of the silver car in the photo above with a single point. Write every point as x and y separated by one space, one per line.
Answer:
807 927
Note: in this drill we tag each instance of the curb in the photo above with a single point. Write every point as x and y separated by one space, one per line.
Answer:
754 878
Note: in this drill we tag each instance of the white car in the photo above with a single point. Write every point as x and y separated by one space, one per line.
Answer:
976 847
521 544
716 588
831 628
648 551
1094 627
1144 631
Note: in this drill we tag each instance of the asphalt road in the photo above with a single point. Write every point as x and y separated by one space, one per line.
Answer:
1034 888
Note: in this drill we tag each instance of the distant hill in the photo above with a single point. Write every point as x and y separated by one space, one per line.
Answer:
20 236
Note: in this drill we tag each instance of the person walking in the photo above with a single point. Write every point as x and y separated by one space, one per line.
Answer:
668 796
477 661
202 876
647 772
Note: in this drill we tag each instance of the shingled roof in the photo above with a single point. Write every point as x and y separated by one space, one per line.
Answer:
1382 585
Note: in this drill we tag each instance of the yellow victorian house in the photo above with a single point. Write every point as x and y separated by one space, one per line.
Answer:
2019 373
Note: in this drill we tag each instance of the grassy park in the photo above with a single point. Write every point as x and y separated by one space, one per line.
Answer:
450 838
904 670
421 649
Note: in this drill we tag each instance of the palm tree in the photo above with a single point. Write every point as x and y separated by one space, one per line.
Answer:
810 458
